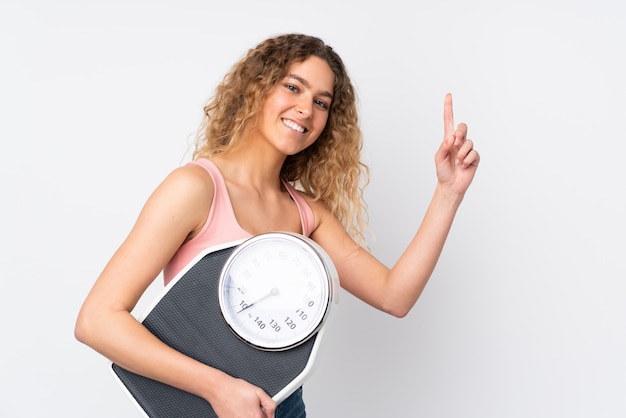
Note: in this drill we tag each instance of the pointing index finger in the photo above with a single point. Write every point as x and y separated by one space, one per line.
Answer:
448 118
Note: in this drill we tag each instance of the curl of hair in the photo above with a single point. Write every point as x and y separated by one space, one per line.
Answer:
330 170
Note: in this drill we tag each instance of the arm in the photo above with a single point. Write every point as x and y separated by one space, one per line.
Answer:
177 208
396 290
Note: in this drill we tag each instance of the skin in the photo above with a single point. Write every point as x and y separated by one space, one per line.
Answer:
179 207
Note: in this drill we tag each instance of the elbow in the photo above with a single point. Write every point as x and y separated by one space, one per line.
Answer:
396 310
81 329
399 313
84 327
399 306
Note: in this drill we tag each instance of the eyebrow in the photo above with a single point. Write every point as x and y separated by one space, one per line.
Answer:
308 85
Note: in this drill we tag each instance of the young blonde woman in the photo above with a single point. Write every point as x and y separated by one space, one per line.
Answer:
279 150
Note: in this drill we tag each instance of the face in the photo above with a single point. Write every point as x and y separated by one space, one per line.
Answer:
296 109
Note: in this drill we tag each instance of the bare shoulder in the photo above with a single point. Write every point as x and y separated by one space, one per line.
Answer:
321 212
329 232
190 177
184 197
189 184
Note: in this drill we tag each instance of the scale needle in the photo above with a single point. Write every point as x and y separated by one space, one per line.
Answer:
273 292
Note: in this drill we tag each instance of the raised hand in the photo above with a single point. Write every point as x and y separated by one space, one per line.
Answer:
456 159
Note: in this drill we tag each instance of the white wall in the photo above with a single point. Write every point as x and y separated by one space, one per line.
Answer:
525 315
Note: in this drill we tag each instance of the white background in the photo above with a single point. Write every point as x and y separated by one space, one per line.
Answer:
525 315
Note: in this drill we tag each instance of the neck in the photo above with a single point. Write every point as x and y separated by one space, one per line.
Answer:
246 165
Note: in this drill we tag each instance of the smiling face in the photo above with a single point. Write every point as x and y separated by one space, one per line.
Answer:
295 111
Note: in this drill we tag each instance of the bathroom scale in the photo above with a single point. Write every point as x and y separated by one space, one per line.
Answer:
255 309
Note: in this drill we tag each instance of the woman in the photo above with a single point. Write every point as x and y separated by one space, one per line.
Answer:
284 118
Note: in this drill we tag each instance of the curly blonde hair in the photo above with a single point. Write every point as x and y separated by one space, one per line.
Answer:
330 170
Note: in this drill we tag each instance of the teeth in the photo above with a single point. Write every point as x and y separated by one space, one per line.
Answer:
293 125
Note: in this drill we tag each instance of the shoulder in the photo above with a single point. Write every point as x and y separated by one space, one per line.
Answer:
321 213
187 192
188 182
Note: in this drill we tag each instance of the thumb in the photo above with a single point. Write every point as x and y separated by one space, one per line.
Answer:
444 149
267 404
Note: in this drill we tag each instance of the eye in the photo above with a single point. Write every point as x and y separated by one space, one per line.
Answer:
321 104
292 87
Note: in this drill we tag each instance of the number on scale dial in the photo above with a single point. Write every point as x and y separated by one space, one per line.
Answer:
276 289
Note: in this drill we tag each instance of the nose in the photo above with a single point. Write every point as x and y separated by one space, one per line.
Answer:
305 107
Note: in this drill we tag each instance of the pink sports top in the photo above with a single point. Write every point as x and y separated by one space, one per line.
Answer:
221 225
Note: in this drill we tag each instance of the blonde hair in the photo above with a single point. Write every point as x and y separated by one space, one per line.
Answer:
330 170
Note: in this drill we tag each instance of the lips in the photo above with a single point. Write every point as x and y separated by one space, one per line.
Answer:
292 125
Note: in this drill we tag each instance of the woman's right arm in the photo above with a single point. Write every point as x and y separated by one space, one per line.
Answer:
174 212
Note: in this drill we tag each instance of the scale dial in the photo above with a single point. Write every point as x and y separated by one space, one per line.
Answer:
276 290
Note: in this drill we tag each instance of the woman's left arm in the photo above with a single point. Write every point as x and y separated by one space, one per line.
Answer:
396 290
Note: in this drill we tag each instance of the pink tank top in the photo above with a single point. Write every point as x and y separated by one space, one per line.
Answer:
221 225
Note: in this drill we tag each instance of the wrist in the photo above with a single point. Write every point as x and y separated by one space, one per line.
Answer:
448 197
208 383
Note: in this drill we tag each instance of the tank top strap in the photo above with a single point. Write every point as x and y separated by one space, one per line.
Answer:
306 213
222 208
307 219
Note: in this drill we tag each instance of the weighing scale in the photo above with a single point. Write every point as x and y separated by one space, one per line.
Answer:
255 309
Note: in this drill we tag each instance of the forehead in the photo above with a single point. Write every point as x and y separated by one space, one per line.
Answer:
316 72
